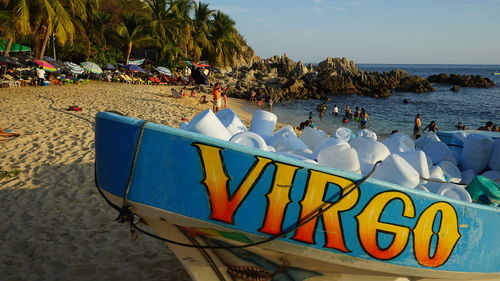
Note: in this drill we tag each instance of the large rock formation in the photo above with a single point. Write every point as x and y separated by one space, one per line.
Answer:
280 78
475 81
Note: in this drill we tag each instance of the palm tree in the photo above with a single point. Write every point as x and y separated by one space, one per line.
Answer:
179 16
201 23
13 21
135 29
224 39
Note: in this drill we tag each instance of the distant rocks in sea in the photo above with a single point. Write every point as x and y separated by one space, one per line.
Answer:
475 81
281 79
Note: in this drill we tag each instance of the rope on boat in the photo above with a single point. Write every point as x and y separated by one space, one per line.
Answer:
126 215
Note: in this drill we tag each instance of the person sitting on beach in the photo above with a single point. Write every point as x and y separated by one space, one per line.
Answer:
203 99
304 124
183 92
5 135
487 127
253 96
432 127
193 93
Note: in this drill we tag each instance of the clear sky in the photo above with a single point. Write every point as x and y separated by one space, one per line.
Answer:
370 31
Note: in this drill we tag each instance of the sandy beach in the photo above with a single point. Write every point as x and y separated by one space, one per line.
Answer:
54 224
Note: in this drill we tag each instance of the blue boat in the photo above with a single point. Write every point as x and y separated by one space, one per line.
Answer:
231 212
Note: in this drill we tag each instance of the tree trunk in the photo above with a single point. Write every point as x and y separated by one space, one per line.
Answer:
128 52
45 41
7 48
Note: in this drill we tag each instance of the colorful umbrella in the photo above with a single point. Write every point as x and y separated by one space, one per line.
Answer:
46 66
164 70
73 67
136 62
135 68
92 67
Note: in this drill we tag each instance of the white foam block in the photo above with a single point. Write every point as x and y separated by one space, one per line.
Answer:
343 134
313 137
426 137
369 152
285 139
327 143
399 142
396 170
206 123
467 176
418 160
476 152
231 121
451 171
249 139
367 133
438 151
341 157
492 175
494 162
263 123
454 191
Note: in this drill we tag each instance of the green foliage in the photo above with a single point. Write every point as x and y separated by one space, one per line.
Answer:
107 31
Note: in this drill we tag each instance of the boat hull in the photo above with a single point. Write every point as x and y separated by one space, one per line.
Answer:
219 193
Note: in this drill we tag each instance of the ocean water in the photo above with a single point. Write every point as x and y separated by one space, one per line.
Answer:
471 106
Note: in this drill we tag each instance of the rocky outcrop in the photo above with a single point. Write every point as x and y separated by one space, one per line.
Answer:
474 81
280 78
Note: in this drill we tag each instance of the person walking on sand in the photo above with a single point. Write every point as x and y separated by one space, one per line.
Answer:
417 125
224 97
217 96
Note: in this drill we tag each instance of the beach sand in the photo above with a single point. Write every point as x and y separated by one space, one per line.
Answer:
54 225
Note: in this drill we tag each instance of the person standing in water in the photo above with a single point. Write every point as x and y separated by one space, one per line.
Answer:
417 125
432 127
335 111
363 118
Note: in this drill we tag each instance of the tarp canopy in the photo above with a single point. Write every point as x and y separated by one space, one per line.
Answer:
46 66
136 62
164 70
92 67
14 48
73 67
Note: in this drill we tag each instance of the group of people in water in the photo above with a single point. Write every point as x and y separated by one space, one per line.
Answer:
432 127
359 114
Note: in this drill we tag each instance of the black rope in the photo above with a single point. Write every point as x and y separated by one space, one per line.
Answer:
126 215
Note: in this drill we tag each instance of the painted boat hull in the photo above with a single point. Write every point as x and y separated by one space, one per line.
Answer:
445 136
207 191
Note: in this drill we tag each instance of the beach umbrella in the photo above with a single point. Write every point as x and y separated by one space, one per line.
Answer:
46 66
92 67
164 70
14 48
10 60
49 59
110 67
135 68
73 67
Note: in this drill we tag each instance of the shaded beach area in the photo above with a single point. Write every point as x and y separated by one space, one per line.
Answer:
54 223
